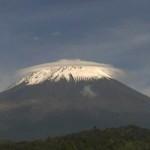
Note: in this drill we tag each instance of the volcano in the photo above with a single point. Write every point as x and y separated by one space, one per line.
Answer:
68 96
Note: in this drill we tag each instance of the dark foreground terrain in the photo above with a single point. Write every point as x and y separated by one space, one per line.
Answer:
123 138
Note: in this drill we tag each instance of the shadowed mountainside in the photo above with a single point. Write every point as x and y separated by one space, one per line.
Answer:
57 108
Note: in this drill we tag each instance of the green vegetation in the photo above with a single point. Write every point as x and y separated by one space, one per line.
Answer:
123 138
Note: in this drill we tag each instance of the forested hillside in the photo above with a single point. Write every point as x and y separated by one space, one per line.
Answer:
123 138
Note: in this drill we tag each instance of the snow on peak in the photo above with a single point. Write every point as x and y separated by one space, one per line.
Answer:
67 69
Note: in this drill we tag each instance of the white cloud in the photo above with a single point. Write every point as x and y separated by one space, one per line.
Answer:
56 33
105 69
36 38
146 91
88 92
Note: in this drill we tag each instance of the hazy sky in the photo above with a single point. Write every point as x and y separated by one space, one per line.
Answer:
116 32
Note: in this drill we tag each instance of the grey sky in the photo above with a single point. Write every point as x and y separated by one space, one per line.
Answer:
116 32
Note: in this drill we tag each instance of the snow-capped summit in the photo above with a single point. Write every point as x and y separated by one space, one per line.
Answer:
69 70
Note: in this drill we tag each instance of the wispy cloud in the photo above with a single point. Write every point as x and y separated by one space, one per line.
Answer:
88 92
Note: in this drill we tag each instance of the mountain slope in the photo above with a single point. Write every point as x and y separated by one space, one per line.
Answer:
66 106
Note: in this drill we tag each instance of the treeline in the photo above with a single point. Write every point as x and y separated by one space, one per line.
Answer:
123 138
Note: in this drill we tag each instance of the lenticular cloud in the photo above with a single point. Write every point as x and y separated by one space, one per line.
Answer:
68 70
